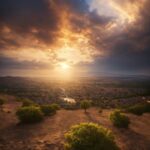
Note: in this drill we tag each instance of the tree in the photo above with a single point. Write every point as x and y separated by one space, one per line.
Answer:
85 105
89 136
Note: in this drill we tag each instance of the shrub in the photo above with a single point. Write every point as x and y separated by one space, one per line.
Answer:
30 114
48 110
139 109
85 105
55 106
89 136
119 120
27 102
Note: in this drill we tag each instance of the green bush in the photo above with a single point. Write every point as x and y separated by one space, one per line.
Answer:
85 104
89 136
48 110
30 114
119 120
55 106
139 109
27 102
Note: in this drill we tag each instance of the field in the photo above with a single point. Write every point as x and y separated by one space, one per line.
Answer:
102 91
49 134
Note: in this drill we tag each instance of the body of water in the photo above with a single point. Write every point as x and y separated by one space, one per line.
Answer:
66 98
69 100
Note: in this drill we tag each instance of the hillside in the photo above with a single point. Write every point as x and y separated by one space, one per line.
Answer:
49 134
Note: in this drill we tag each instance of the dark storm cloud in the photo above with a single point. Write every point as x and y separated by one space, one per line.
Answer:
128 50
40 21
35 18
89 20
126 60
95 19
10 63
33 23
76 6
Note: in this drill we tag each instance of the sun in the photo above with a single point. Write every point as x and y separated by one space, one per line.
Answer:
64 66
63 70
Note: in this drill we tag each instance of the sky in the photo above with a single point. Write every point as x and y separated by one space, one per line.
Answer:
74 37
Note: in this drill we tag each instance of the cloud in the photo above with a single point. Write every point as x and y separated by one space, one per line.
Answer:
36 18
54 27
128 49
44 33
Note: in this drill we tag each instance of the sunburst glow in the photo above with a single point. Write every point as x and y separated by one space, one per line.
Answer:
74 37
64 66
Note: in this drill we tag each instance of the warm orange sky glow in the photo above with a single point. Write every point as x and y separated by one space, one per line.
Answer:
96 35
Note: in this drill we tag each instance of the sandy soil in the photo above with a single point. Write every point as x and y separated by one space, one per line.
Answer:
49 134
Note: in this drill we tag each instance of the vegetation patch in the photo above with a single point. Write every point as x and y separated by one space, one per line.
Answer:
85 104
30 114
139 109
119 120
89 136
55 106
48 110
27 102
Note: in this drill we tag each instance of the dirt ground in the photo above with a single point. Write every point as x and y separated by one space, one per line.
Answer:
49 134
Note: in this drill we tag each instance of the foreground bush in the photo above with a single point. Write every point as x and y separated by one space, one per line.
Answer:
89 136
85 105
119 120
48 110
30 114
139 109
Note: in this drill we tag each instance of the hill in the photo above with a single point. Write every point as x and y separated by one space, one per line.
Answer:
49 134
